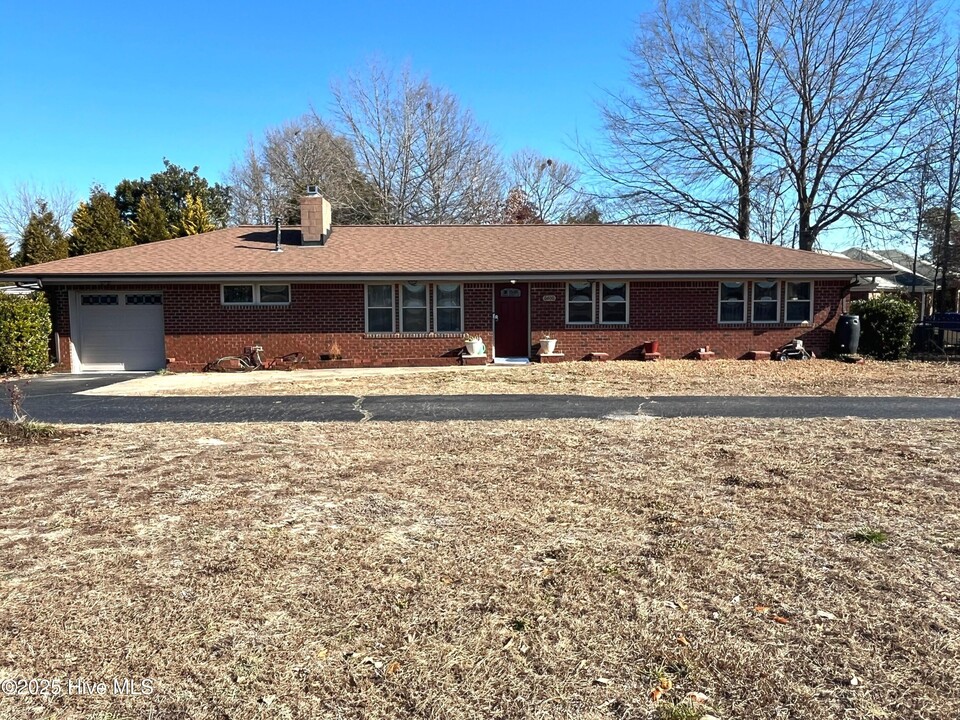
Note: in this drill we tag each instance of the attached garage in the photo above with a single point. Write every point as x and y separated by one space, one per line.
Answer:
118 331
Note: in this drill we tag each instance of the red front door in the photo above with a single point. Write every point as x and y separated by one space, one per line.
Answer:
511 338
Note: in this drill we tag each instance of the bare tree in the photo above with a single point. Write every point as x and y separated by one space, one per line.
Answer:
946 107
425 156
22 200
685 145
551 187
268 180
852 77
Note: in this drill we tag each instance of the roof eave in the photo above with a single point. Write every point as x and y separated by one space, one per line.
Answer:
86 278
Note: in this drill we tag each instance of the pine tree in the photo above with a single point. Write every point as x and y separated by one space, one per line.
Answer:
43 239
97 226
195 219
150 223
6 256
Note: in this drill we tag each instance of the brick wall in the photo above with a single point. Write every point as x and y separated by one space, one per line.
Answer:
681 315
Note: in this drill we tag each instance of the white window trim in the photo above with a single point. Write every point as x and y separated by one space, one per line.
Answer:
426 299
753 303
809 318
256 295
720 320
593 304
626 302
393 308
436 308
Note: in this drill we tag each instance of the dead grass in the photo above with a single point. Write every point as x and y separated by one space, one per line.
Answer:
465 570
624 378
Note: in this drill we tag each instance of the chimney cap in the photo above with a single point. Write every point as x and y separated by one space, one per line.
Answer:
313 190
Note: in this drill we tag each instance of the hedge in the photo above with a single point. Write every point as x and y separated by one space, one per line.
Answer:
24 333
886 325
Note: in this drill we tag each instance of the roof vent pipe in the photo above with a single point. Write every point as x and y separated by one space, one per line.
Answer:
278 248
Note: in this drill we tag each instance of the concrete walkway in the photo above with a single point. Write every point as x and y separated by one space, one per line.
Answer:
54 399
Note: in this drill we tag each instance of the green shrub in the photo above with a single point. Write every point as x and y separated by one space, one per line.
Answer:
24 333
886 324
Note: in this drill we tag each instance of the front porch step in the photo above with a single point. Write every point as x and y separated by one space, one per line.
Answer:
511 361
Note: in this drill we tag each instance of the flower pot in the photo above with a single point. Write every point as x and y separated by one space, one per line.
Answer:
475 347
548 346
652 347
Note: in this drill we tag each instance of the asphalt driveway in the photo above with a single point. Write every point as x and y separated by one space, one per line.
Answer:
54 398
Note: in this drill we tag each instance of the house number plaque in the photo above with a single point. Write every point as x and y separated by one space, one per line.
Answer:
549 298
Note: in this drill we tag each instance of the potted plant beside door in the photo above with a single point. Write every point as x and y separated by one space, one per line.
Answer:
474 345
548 345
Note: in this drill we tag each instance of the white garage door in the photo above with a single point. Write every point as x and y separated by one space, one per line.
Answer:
120 331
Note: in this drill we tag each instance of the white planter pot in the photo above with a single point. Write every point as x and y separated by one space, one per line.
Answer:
548 347
475 347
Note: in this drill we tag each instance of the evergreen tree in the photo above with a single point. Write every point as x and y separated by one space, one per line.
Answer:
97 225
171 188
150 222
43 240
195 218
6 256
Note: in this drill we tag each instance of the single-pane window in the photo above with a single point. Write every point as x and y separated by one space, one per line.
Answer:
766 302
580 302
233 294
274 294
413 308
379 308
799 302
449 308
613 302
733 303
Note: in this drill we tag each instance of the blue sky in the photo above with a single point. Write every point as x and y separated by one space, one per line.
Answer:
95 92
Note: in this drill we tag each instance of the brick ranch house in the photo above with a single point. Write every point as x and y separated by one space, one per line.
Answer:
407 295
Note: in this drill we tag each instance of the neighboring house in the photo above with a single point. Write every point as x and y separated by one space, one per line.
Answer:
17 290
903 281
406 295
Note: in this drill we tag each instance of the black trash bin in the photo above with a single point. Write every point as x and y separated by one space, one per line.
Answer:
847 335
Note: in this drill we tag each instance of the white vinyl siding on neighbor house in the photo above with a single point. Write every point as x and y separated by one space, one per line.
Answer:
379 308
580 303
614 303
766 302
732 302
799 300
254 294
448 308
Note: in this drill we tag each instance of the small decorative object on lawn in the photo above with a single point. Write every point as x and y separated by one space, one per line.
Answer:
474 345
548 345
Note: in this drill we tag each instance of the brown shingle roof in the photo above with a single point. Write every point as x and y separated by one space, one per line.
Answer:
450 250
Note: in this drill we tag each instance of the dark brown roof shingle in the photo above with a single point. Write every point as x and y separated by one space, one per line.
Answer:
450 250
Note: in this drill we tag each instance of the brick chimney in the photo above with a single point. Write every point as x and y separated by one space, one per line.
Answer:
314 218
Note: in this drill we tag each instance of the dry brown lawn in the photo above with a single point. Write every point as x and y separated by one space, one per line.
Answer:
470 570
672 377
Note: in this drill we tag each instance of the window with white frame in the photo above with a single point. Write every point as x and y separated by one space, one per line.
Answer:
579 302
733 302
613 302
799 297
413 307
448 306
766 302
379 308
255 294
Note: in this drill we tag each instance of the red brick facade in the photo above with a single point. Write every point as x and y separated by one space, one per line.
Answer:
681 315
